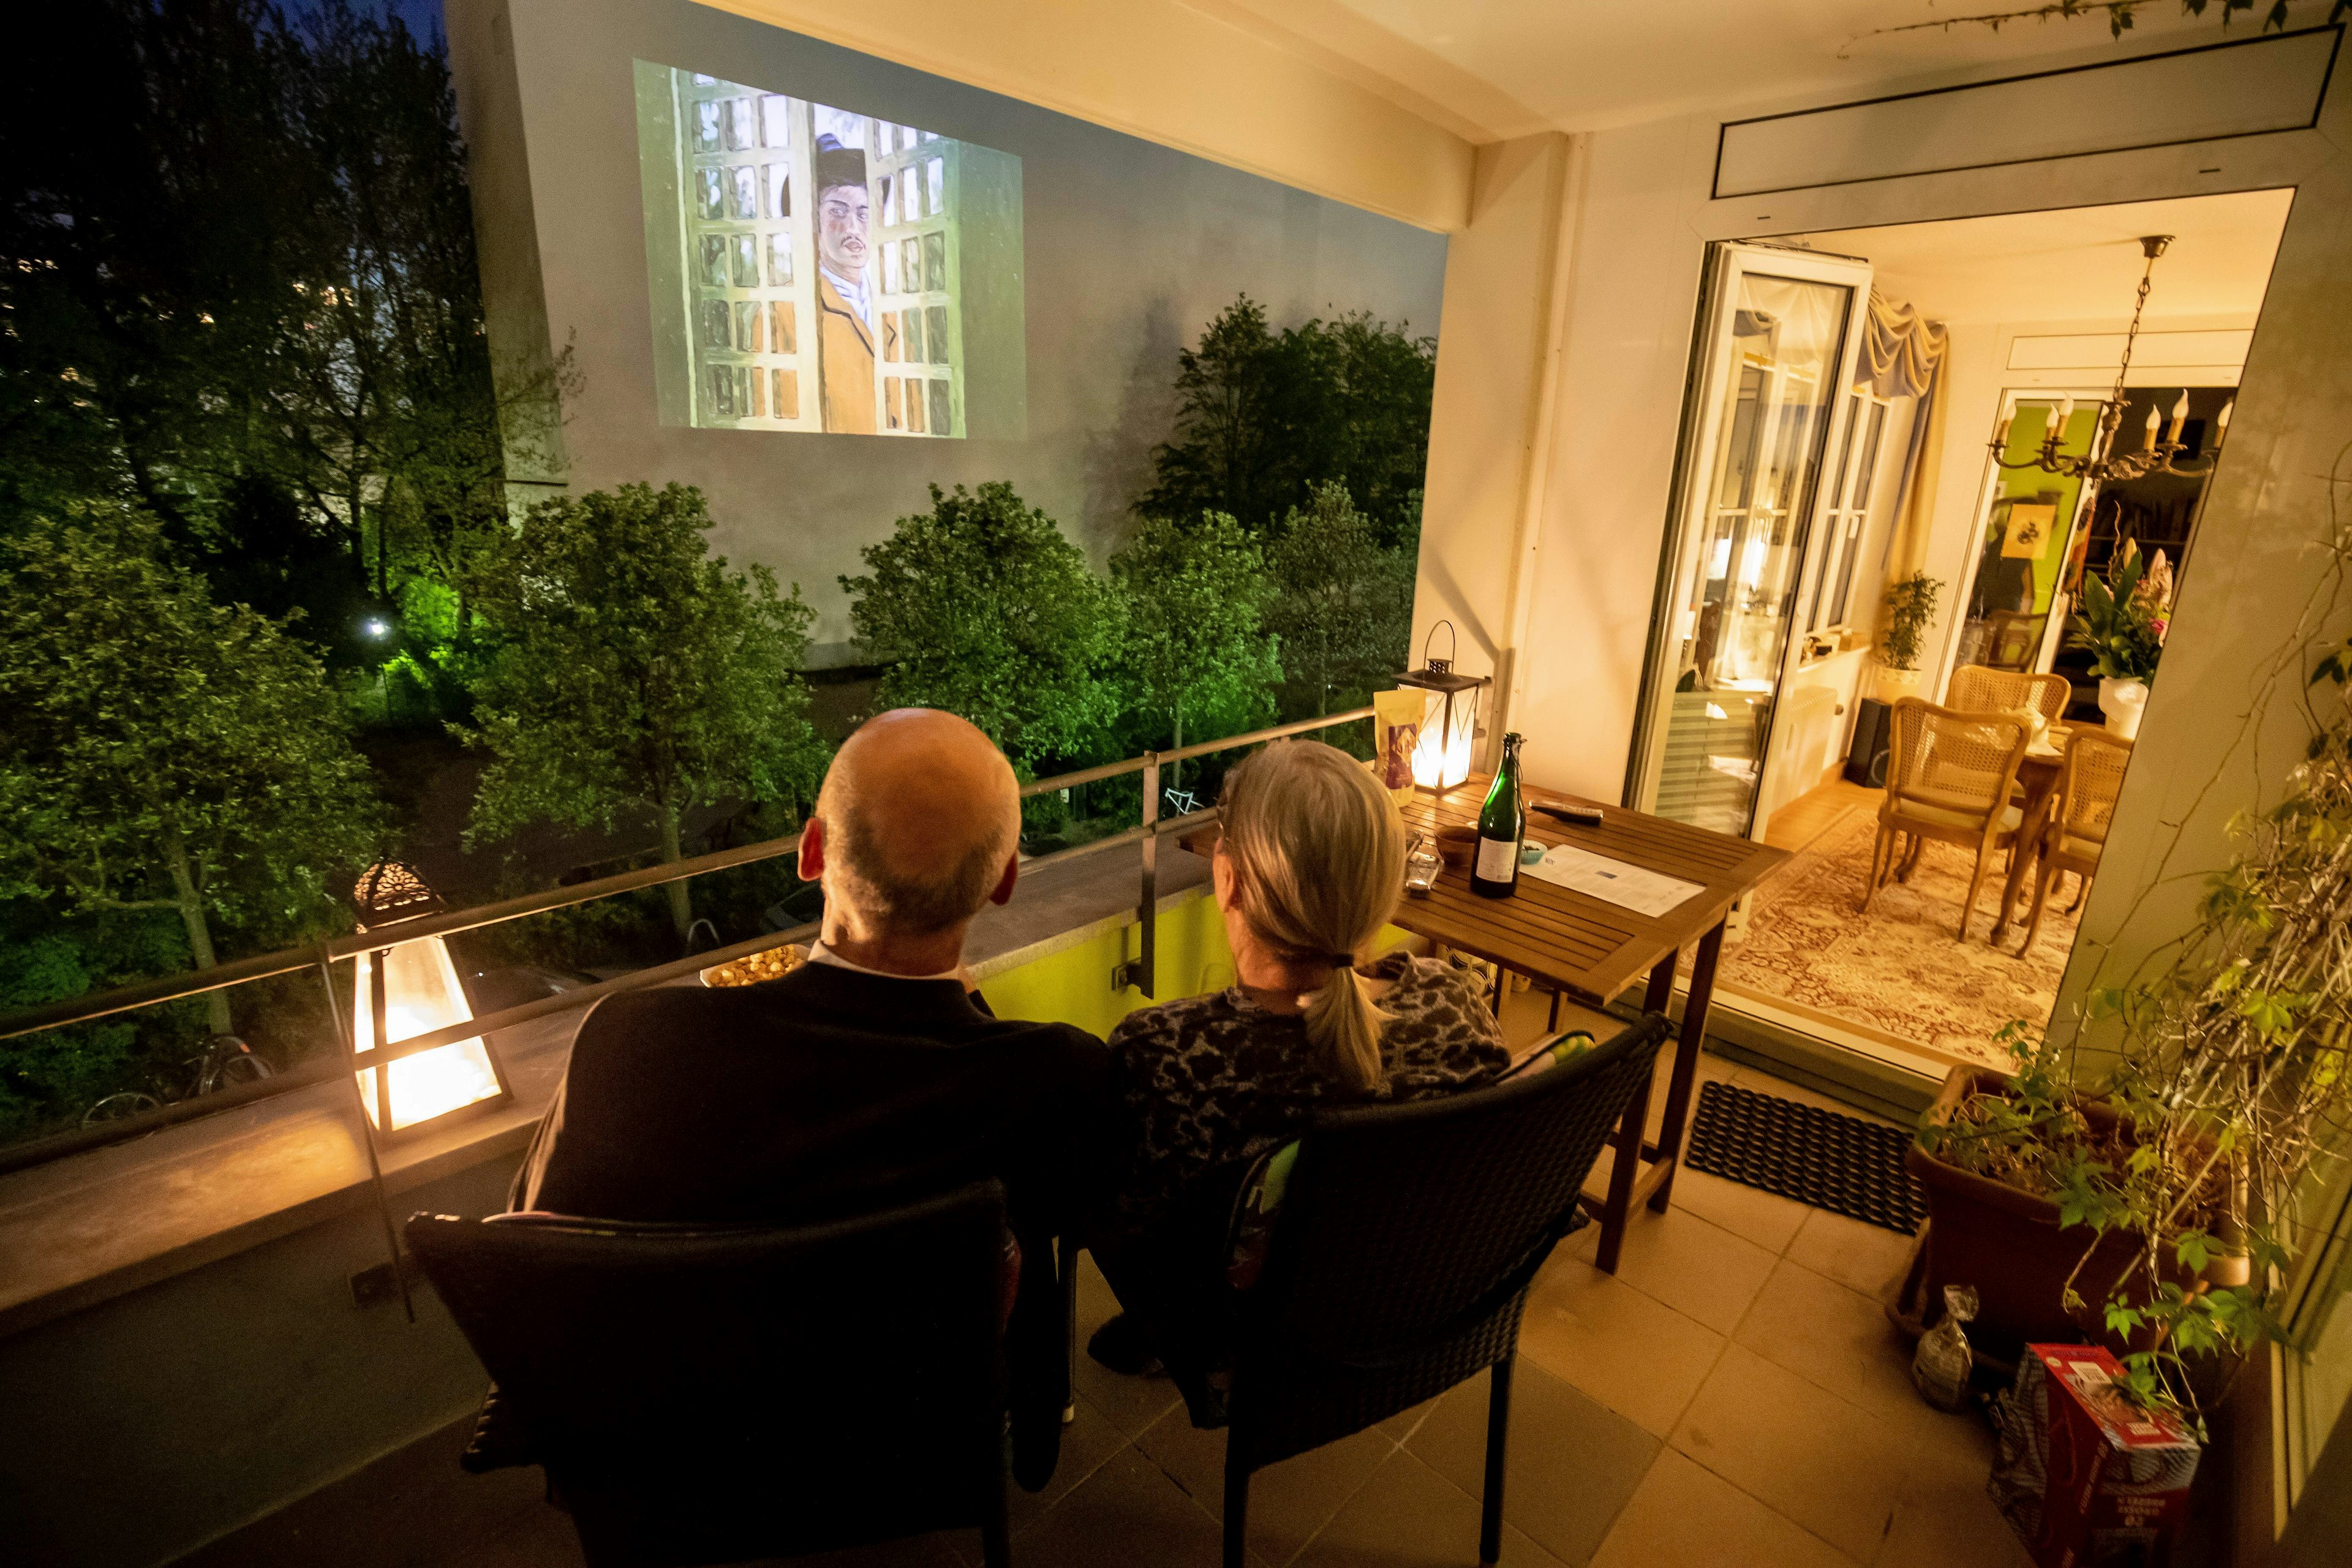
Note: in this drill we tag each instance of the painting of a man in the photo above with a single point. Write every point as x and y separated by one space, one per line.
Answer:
845 315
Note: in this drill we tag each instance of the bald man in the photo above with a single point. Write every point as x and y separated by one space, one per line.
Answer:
870 1076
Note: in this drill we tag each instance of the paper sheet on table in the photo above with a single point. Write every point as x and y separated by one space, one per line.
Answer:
1651 893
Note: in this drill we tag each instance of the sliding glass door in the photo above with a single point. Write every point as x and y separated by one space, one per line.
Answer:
1770 395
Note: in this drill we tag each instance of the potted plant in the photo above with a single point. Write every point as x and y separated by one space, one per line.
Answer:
2141 1189
1908 607
2121 624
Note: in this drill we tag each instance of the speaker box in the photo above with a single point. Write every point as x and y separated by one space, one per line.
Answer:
1866 759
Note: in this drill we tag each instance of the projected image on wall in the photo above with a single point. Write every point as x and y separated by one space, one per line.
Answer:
813 268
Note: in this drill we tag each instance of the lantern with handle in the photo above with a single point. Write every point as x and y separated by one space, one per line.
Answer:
1449 721
406 989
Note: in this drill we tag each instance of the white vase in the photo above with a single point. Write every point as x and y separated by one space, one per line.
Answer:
1894 684
2123 701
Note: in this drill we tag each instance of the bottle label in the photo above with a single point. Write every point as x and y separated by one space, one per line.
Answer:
1499 860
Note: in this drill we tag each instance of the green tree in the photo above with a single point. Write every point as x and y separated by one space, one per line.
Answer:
1194 602
635 673
1263 417
980 607
162 751
1341 604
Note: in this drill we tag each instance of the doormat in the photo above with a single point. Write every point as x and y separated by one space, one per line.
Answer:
1841 1164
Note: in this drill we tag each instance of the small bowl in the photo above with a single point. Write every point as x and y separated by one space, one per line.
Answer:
1456 845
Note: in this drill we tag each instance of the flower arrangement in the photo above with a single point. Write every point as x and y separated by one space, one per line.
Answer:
2124 617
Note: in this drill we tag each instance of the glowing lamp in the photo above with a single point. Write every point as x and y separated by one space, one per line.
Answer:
1449 721
406 989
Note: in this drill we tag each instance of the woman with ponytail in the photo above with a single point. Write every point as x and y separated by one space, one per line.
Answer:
1309 867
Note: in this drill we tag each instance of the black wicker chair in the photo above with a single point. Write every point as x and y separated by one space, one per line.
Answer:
1400 1260
708 1396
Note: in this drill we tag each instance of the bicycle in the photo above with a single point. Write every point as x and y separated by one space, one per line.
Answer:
225 1062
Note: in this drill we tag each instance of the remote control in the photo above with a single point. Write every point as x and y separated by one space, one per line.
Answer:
1582 815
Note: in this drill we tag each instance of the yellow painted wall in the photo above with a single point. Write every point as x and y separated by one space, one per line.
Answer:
1073 986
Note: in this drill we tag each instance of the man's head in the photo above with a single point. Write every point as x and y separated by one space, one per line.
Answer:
843 209
918 825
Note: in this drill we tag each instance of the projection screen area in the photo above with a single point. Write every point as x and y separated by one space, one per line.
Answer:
816 269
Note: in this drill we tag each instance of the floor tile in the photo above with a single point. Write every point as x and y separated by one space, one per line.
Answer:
1801 1451
1409 1516
1951 1524
1289 1501
1131 1404
1404 1423
1087 1443
1637 1356
1766 1219
1841 1341
1127 1512
1686 1516
1698 1268
1571 1463
543 1537
1863 1258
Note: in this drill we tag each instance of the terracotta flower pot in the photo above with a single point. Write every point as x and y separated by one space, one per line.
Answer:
2009 1244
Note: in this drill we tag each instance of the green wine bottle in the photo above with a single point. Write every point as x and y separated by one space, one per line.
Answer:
1502 828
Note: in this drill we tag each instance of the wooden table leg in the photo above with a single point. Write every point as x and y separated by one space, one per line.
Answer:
1687 1050
1625 1162
2023 852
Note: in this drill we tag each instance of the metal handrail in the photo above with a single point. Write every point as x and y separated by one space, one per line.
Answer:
239 971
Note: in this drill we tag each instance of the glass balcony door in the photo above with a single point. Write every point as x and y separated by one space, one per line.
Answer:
1770 396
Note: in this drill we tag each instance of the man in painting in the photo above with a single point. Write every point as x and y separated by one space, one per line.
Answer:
844 296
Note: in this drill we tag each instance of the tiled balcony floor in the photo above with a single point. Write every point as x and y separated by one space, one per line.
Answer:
1732 1397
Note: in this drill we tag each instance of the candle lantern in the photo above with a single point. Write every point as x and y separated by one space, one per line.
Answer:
1449 722
406 989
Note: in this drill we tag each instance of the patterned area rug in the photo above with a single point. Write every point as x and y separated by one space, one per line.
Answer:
1897 973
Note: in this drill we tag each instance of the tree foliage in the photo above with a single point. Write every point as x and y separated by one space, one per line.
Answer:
162 752
635 673
244 297
1341 604
1265 416
1193 605
980 607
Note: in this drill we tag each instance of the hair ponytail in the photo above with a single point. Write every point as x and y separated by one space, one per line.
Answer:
1318 849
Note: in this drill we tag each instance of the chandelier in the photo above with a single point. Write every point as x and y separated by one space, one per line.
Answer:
2103 463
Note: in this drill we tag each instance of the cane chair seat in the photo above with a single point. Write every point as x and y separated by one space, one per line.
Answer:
1950 775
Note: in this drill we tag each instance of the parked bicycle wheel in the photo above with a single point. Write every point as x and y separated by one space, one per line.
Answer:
121 1107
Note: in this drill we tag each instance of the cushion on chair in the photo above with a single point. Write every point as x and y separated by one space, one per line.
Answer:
1918 810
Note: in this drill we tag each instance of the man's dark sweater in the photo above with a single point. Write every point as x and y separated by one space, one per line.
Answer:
834 1091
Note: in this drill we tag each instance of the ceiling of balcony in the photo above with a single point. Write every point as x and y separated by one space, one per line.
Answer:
1490 69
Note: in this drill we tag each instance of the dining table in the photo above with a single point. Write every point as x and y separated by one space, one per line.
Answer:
1593 949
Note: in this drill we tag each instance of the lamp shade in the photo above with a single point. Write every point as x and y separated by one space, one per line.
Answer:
1449 721
406 989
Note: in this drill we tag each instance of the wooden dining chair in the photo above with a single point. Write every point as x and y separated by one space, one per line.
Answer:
2074 830
1949 776
1978 689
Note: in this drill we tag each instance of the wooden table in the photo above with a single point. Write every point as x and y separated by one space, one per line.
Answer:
1584 947
2038 771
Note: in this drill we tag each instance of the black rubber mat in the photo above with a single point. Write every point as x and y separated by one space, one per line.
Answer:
1841 1163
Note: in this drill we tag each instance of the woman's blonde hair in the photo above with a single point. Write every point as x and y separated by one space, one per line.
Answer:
1317 852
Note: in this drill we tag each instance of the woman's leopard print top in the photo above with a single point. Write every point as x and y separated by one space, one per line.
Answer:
1210 1083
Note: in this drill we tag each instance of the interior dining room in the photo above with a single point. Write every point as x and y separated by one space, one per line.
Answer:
1975 525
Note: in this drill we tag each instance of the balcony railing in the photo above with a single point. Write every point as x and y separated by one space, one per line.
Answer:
321 956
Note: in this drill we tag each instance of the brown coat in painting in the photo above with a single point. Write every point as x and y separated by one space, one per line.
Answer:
845 360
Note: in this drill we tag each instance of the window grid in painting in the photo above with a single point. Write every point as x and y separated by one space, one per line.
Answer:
750 262
920 383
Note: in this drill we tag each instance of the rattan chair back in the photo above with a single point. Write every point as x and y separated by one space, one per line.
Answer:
2090 784
1976 689
713 1395
1953 760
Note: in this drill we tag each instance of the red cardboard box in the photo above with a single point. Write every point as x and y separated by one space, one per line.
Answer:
2087 1478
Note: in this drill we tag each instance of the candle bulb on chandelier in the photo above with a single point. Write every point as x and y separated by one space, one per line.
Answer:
2148 442
2000 436
2065 412
2221 425
2179 413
